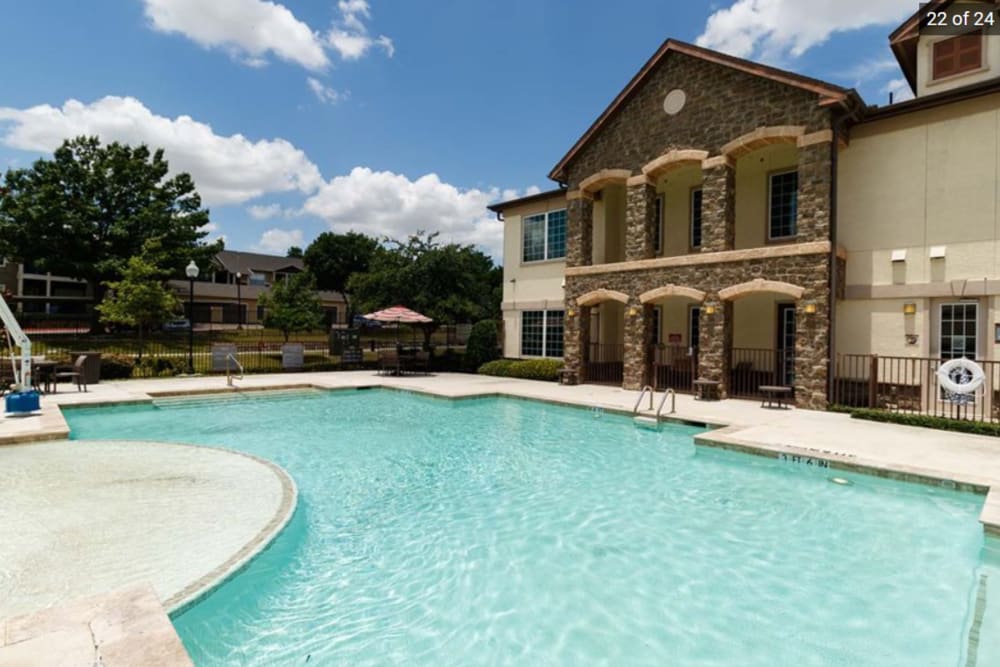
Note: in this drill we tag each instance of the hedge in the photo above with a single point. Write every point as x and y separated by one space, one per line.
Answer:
481 348
524 369
927 421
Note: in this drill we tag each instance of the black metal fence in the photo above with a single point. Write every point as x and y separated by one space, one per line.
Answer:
605 363
674 367
753 368
910 385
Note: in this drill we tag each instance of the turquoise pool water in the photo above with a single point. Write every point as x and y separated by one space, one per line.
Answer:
497 531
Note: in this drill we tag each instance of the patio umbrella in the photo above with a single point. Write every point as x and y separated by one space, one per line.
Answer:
399 315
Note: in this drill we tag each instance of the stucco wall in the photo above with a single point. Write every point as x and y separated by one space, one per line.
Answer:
908 184
531 286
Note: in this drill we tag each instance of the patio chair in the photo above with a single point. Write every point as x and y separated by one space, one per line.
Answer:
74 372
421 362
388 362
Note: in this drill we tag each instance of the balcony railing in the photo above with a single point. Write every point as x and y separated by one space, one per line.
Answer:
752 368
674 367
605 363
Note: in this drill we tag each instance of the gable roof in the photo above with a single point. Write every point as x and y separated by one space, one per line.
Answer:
249 262
903 40
827 93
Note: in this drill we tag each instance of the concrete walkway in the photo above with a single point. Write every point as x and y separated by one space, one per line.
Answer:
83 518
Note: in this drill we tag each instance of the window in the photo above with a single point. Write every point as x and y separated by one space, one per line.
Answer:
696 218
694 327
959 54
959 330
658 226
544 236
542 333
783 205
258 279
657 315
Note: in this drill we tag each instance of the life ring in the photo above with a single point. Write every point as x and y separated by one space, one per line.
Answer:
961 376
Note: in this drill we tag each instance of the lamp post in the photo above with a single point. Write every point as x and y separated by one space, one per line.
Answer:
239 300
192 273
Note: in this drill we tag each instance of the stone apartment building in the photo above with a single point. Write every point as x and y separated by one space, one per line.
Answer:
731 221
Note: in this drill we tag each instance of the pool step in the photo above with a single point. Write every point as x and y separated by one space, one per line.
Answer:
229 398
650 423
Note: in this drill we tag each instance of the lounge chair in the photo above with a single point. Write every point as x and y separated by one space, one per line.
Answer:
388 362
74 372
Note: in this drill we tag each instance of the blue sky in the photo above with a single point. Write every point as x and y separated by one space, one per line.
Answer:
383 116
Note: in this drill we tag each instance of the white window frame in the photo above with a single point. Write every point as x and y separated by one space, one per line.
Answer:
770 193
940 327
545 333
545 237
694 191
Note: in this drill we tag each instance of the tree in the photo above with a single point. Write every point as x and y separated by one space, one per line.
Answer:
449 283
292 305
482 345
334 258
141 298
295 252
88 210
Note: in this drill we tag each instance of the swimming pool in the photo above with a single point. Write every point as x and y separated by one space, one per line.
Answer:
500 531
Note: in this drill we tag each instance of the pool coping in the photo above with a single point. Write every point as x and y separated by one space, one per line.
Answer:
721 435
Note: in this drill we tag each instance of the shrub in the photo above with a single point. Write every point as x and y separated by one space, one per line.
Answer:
482 346
116 367
157 367
927 421
527 369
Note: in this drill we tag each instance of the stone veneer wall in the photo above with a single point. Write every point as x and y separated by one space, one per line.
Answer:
722 104
810 272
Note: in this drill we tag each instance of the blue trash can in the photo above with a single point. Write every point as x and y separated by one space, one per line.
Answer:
23 403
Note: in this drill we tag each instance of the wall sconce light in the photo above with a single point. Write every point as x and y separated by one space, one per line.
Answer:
710 309
810 308
571 313
909 309
633 311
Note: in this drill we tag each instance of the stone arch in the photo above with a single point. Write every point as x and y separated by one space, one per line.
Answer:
763 136
760 285
604 178
673 160
672 290
600 296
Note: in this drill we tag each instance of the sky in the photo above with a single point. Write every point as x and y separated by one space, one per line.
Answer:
386 117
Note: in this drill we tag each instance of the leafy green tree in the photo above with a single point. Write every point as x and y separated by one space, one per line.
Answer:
482 345
449 283
292 305
141 298
295 252
334 258
88 210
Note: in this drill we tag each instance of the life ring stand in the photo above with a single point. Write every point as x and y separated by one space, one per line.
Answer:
961 368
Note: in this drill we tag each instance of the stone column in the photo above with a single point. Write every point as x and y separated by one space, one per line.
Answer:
715 343
812 351
718 204
576 337
638 338
814 195
579 229
640 218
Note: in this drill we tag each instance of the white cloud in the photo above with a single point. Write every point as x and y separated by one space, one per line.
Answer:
226 170
773 29
900 90
349 36
248 29
264 212
325 94
278 241
384 203
870 69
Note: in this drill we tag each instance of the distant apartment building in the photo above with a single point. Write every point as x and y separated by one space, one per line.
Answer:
230 287
229 291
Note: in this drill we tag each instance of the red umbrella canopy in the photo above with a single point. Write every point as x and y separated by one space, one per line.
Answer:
400 314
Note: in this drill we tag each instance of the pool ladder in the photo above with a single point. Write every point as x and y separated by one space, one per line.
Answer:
647 420
229 375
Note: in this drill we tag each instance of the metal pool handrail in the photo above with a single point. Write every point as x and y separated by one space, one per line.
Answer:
229 377
642 394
